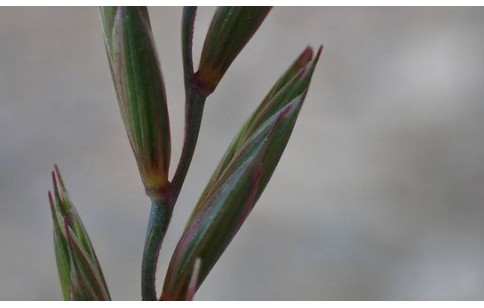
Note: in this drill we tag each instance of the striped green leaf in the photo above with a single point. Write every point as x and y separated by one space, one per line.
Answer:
140 91
230 30
80 274
239 180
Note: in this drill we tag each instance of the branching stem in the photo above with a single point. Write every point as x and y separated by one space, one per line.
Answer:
158 223
161 210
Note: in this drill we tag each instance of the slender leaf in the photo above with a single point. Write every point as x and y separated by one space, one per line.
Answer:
230 30
239 181
140 91
291 84
80 274
81 289
85 272
61 253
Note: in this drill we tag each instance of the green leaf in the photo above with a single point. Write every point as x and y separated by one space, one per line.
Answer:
192 286
79 271
140 91
61 253
230 30
289 85
107 14
84 272
239 180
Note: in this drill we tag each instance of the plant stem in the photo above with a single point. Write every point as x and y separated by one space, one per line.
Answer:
195 101
188 21
158 223
193 120
161 210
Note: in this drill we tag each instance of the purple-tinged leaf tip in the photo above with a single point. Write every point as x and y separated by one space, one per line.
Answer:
79 271
230 30
140 91
240 178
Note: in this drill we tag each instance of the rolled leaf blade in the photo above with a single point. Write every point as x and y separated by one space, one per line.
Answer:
61 253
81 288
201 241
239 180
230 30
107 14
79 271
140 91
292 83
68 211
295 81
85 271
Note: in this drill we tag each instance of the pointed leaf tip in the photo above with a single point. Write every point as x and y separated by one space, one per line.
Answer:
51 200
140 91
230 30
240 178
59 176
79 271
306 55
320 50
54 182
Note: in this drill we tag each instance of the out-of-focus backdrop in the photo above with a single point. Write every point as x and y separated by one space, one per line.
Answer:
378 196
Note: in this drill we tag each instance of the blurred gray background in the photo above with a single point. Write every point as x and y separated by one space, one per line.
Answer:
379 195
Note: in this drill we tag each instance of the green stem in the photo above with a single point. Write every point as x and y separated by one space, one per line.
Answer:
161 210
189 13
193 120
194 104
158 223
